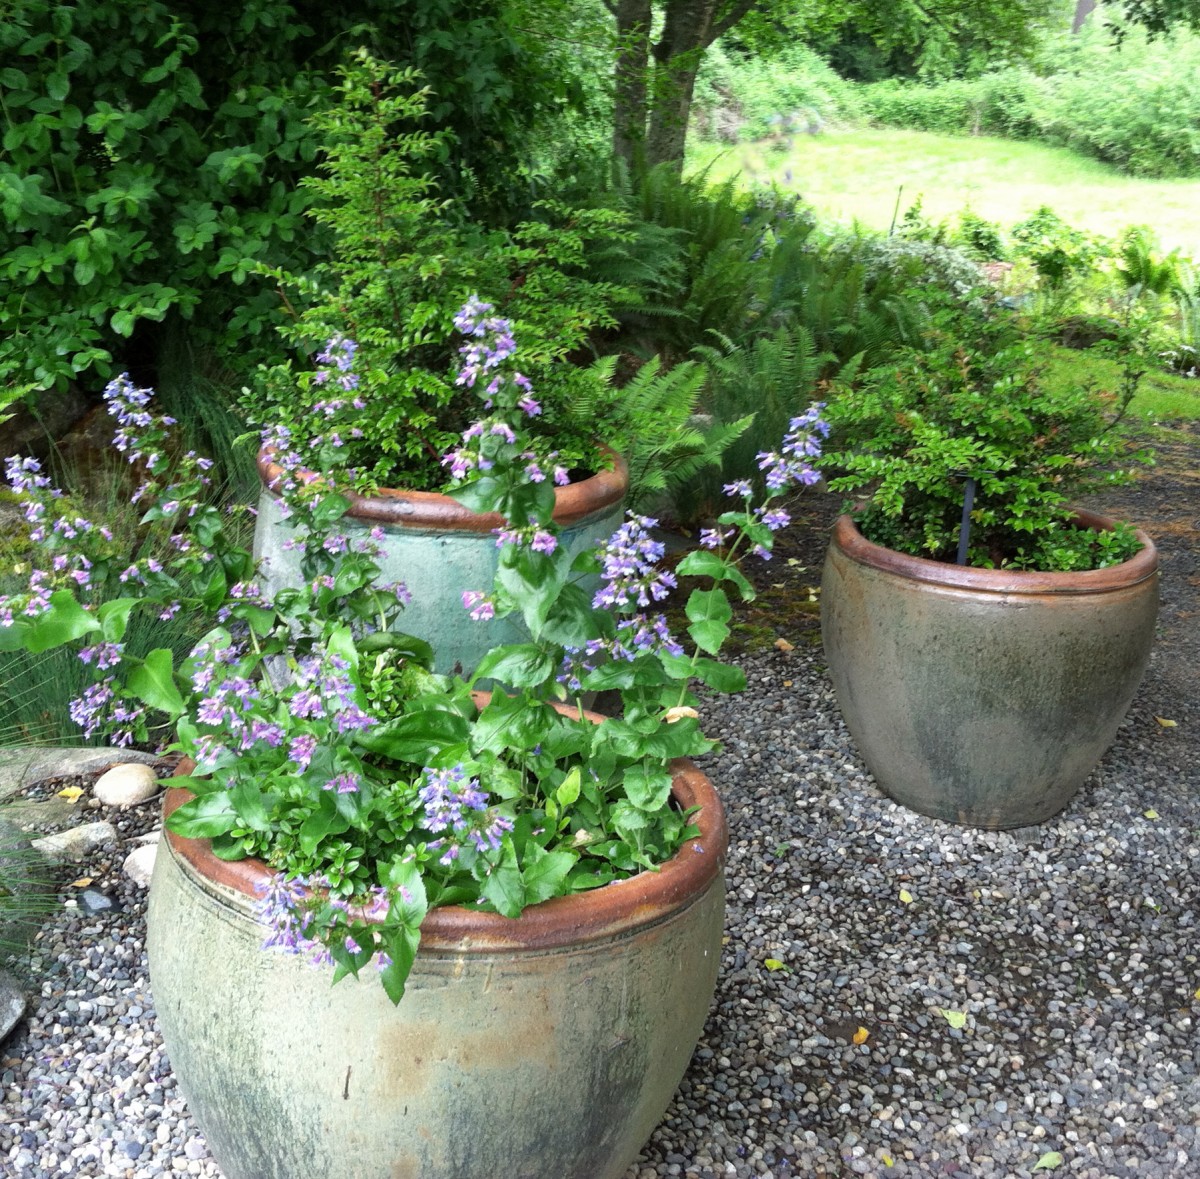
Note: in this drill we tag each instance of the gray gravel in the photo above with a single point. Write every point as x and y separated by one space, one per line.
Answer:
1071 950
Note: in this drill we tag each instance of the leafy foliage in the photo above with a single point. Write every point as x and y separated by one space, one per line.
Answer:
152 153
912 433
402 261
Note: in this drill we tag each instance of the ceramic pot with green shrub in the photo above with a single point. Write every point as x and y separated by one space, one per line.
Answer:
982 692
378 383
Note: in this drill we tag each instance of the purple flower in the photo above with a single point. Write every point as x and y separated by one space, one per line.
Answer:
629 566
343 784
447 795
481 606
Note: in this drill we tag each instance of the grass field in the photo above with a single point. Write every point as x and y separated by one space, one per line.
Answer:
856 175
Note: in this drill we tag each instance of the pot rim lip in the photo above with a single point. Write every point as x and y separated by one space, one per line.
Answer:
1142 566
431 509
597 914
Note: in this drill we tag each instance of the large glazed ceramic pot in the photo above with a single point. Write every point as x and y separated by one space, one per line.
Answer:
983 697
542 1047
438 549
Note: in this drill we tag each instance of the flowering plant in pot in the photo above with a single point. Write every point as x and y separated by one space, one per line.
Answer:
984 637
369 795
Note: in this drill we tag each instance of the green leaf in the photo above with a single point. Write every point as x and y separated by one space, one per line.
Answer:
709 606
568 789
63 621
545 873
401 946
503 888
407 646
114 617
1049 1161
418 736
647 789
521 665
721 677
154 682
709 636
203 817
325 821
956 1019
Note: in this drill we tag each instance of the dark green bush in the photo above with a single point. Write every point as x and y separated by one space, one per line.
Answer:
152 153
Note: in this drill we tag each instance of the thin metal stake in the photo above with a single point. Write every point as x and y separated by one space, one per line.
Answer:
964 530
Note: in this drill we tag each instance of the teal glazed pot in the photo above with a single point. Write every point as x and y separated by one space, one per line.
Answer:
439 549
978 696
542 1047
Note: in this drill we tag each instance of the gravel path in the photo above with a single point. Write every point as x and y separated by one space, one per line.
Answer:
860 936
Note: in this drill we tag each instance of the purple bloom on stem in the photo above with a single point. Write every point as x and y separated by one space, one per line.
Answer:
482 608
343 784
447 795
740 487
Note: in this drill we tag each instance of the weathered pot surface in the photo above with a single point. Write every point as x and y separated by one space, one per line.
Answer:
438 549
544 1046
980 696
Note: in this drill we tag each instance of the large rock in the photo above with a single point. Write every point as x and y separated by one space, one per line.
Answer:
30 765
139 864
12 1003
126 785
69 847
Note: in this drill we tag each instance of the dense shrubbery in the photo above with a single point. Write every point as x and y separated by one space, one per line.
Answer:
152 153
1136 105
742 98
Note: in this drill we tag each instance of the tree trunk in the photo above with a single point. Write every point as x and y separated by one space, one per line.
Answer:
687 32
1083 9
630 83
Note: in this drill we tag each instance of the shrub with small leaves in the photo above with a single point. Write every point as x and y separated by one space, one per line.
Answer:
911 434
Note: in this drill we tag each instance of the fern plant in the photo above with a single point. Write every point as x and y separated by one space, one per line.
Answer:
754 389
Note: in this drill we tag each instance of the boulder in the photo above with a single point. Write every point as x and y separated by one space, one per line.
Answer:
126 785
74 845
139 864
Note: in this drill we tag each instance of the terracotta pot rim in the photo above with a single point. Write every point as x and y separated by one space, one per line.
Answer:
431 509
1141 566
601 913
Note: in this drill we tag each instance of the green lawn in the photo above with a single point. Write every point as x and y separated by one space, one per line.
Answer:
855 175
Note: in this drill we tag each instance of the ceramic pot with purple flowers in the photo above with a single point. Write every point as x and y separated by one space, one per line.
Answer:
544 1046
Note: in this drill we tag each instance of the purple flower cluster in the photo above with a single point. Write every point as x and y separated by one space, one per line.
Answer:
509 394
791 464
629 567
637 635
455 802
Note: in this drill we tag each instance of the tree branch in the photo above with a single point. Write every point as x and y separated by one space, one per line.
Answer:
731 18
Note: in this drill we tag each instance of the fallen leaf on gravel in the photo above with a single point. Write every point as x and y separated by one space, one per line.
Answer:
82 882
70 793
905 896
783 645
1049 1161
1198 993
774 964
956 1019
1151 813
860 1036
887 1160
1167 724
787 683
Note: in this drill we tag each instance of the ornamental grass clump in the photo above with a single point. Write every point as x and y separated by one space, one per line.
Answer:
323 744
